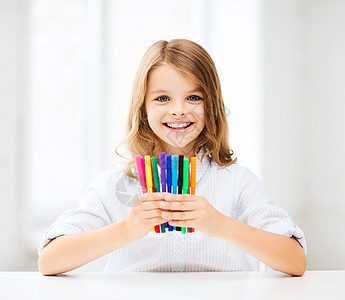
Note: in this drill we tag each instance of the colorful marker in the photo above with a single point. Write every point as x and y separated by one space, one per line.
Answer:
157 227
168 167
169 181
157 185
185 176
185 183
155 174
149 178
180 179
148 173
163 177
175 176
142 159
174 171
143 170
140 174
153 182
193 178
180 173
192 175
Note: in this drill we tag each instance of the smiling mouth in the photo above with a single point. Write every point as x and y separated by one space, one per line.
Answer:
182 125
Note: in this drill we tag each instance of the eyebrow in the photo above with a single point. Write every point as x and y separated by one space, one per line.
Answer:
167 91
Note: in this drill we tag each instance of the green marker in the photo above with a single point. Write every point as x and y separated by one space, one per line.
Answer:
185 183
157 184
155 174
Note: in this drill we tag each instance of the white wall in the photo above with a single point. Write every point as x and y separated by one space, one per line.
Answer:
13 105
304 67
70 106
303 127
325 91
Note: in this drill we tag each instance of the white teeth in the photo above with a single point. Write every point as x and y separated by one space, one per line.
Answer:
178 125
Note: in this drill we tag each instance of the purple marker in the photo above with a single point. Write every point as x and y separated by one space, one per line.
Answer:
162 165
163 177
168 168
169 182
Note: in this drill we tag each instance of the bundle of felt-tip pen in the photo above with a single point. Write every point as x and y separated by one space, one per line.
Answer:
177 176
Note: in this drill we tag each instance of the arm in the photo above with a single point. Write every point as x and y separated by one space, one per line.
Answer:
71 251
276 251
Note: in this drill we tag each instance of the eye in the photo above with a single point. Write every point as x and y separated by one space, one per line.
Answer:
162 99
194 98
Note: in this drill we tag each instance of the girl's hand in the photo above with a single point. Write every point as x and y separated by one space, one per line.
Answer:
146 215
191 211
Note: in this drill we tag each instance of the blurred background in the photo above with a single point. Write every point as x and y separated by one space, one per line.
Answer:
66 73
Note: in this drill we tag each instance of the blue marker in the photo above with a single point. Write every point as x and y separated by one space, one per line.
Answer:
168 168
174 172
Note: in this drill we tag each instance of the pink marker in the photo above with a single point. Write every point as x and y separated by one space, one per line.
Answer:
140 174
143 170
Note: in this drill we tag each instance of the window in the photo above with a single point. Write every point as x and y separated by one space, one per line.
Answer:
82 62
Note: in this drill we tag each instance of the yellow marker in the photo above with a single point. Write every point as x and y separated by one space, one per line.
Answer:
148 173
148 176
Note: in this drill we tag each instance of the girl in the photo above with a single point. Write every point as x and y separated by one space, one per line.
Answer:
177 107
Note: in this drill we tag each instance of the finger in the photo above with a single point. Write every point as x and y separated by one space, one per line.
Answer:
184 223
157 221
153 196
183 215
177 205
151 214
150 205
180 197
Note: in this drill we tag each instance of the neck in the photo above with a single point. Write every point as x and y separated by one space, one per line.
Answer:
187 151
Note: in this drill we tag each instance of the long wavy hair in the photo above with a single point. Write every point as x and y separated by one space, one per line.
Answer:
194 63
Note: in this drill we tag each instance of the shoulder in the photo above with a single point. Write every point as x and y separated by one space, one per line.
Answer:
239 175
106 180
235 170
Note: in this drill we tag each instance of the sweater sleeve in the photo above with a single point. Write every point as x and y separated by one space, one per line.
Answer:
255 208
92 213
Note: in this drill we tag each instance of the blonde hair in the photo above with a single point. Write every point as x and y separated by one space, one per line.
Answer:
195 63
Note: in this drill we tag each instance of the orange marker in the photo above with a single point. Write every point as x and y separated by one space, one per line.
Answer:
193 175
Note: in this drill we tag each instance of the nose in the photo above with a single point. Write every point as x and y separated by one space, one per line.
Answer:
178 109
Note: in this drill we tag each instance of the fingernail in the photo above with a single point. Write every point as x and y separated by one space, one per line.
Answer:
167 197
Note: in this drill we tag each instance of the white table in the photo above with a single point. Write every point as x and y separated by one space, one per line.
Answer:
213 285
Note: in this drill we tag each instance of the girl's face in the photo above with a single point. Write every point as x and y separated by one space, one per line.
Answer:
175 109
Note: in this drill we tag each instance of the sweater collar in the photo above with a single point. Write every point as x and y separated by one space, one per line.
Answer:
201 166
